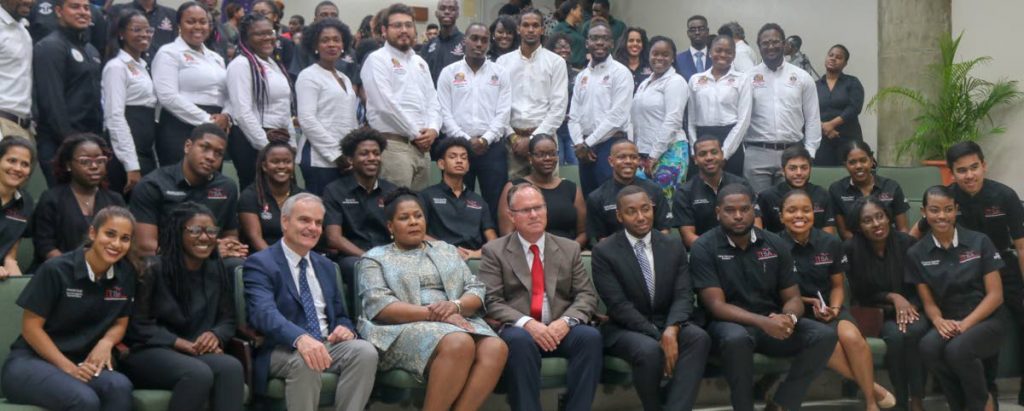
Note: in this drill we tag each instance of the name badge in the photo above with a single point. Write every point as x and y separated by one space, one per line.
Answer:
441 201
610 207
349 201
73 293
174 193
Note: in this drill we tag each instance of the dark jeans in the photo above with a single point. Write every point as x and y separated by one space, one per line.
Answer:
317 178
194 381
29 379
903 359
958 363
243 156
811 345
648 361
593 174
582 347
46 151
491 171
566 155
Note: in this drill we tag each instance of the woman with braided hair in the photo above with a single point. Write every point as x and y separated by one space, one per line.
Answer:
183 317
260 96
259 205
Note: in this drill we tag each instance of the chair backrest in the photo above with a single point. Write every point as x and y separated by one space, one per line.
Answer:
913 180
10 328
825 176
570 172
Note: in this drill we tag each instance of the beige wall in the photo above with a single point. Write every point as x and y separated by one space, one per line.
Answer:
990 29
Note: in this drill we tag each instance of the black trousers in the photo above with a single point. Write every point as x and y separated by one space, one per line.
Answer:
903 359
216 378
491 171
958 363
243 156
582 347
811 345
171 135
29 379
828 152
142 123
648 362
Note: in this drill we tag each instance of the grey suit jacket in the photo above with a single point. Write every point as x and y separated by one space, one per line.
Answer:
504 271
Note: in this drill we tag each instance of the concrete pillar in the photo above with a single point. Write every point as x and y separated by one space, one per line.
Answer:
908 42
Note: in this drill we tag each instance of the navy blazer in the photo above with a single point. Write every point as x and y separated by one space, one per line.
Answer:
274 308
685 66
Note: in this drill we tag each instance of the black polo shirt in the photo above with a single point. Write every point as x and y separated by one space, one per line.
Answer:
602 207
955 276
162 19
816 262
888 191
67 73
162 190
266 210
360 213
751 279
441 51
694 203
13 226
770 202
78 311
995 211
459 221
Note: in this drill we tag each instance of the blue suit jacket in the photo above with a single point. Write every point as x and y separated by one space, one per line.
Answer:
685 66
274 307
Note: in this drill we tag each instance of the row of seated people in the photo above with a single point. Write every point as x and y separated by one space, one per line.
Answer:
423 308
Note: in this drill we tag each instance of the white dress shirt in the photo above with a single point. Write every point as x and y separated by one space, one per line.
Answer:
278 110
400 96
785 107
475 103
745 59
185 78
327 113
601 101
648 251
15 66
700 63
657 115
720 102
125 82
545 312
540 90
314 285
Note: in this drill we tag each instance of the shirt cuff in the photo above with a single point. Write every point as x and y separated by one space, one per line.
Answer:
295 344
523 320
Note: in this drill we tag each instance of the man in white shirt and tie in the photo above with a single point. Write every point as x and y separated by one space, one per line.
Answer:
599 114
15 69
401 102
475 96
540 91
784 111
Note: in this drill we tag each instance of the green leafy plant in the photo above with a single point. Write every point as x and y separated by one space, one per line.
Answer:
961 110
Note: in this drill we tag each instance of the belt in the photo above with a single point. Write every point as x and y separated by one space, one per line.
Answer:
770 146
23 122
396 138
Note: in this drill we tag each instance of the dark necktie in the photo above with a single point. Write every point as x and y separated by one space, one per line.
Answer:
306 296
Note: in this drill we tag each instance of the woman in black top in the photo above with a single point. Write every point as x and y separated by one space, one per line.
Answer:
820 265
956 271
840 99
567 211
66 210
877 256
862 181
184 316
16 157
504 37
633 52
259 205
76 310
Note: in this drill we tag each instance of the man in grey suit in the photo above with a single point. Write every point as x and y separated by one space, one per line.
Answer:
644 279
541 294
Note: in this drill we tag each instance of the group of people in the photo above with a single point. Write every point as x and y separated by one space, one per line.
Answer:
664 140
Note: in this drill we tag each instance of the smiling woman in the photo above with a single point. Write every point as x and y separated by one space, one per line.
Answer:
259 205
17 156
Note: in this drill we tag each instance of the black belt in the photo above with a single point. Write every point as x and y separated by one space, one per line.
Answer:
770 146
23 122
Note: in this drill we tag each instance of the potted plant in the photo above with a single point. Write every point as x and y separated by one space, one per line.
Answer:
960 110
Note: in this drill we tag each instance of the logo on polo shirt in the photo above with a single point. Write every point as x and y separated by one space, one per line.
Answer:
441 201
433 46
606 80
758 80
473 204
494 80
165 25
73 292
457 51
134 69
765 254
792 79
188 57
583 81
994 211
460 78
823 259
15 215
77 55
380 202
216 193
700 201
847 198
817 209
702 81
115 293
930 263
884 197
730 81
969 255
45 8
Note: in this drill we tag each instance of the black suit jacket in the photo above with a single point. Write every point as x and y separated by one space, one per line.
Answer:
620 283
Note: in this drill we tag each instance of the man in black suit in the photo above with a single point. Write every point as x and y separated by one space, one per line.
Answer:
643 277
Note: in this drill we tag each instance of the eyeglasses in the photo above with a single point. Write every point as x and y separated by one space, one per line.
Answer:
535 209
771 43
143 30
195 231
92 161
406 25
544 155
599 38
265 33
697 29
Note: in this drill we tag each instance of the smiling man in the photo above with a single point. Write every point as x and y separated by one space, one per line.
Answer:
603 217
796 169
446 46
455 214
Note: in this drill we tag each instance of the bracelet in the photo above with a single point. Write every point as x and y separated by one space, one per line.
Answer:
458 304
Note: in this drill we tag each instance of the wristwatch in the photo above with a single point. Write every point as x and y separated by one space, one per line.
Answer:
571 321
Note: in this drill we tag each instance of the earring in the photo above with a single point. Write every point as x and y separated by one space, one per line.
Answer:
121 38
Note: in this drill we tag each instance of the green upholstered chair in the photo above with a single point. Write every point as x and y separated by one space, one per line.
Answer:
10 328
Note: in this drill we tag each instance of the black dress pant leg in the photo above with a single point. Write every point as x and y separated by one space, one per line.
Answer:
958 362
734 344
903 359
193 380
810 345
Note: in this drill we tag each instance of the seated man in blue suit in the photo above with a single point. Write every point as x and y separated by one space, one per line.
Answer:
696 58
292 298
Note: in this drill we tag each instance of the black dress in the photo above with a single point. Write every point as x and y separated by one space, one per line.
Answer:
561 208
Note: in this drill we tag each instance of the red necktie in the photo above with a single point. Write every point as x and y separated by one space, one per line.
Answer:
537 289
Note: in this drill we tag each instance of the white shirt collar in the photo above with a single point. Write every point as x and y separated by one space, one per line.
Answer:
292 256
753 238
6 18
956 239
693 51
127 58
395 51
646 239
92 274
526 244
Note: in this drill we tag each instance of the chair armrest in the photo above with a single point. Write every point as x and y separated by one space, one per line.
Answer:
250 335
869 320
242 350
